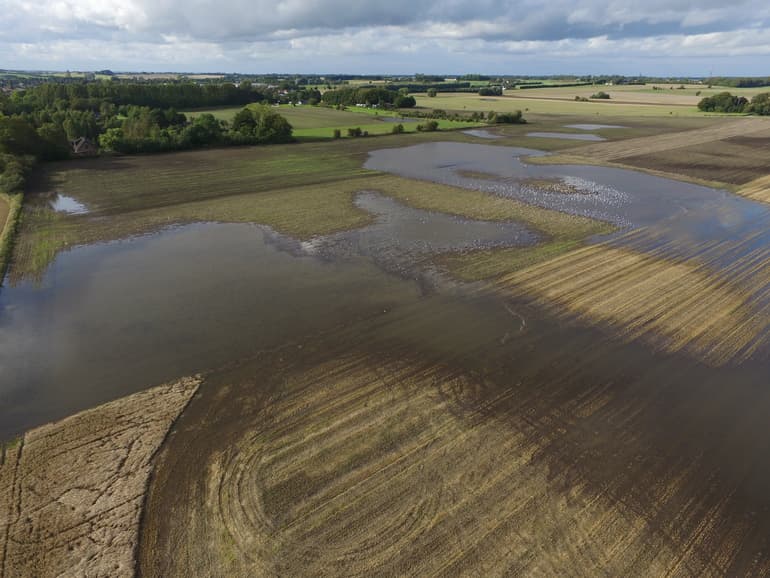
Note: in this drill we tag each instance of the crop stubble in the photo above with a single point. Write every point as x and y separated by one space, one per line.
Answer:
71 492
362 467
675 305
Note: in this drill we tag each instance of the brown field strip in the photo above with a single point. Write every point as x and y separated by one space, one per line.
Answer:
360 467
757 190
71 492
614 150
676 306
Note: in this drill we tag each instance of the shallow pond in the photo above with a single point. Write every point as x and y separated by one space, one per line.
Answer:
481 133
112 318
403 237
624 197
589 126
64 204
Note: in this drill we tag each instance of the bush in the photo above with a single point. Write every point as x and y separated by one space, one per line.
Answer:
429 126
601 95
723 102
432 92
402 101
760 104
510 118
337 133
355 132
397 129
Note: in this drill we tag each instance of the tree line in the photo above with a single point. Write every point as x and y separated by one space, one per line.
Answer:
727 102
40 123
369 96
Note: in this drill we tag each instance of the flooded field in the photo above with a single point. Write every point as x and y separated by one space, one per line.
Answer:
567 136
589 126
112 318
627 198
481 133
361 410
65 204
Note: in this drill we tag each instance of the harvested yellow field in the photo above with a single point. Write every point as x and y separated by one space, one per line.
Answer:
757 190
674 305
361 467
71 492
614 150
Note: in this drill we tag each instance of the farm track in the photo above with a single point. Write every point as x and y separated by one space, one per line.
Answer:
675 305
71 492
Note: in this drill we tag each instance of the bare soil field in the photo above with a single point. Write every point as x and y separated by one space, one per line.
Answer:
71 492
610 151
735 160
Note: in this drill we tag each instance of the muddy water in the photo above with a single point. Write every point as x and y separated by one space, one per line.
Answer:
109 319
113 318
402 238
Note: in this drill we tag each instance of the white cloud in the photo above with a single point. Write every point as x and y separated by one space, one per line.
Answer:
330 35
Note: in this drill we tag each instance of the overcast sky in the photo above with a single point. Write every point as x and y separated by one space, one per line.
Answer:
653 37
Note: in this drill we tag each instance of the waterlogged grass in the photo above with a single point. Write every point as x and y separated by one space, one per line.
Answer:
299 190
561 232
10 210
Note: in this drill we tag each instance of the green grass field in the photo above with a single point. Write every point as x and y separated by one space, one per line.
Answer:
317 122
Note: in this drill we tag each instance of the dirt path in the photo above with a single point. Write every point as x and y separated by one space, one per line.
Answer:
71 492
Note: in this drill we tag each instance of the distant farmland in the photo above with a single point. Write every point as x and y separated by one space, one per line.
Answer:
321 122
